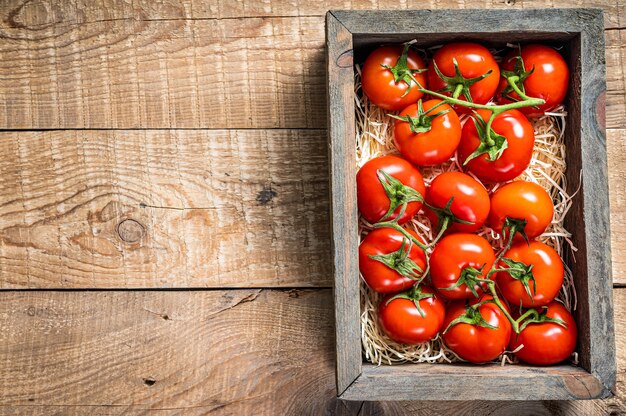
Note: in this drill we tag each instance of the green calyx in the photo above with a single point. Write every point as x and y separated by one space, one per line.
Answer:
446 216
415 294
522 273
458 84
532 316
401 72
471 316
470 276
514 226
398 193
423 121
400 262
516 79
491 143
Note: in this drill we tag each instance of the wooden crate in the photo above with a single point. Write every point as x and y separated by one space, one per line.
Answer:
350 36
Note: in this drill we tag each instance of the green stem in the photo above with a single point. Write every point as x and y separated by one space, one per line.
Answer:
513 83
496 109
443 227
492 289
457 91
395 226
527 313
490 141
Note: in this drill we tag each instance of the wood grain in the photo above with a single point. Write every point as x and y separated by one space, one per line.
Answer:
260 73
345 217
156 69
124 209
218 352
34 14
228 351
616 141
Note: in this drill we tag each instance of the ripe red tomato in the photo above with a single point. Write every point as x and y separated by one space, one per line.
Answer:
382 87
520 140
547 343
451 255
379 276
475 343
547 271
372 198
427 140
473 61
403 322
524 201
470 203
548 81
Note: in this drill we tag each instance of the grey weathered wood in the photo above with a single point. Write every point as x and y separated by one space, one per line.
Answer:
471 382
343 200
594 266
580 32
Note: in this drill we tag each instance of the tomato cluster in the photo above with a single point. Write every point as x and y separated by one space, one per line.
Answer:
480 302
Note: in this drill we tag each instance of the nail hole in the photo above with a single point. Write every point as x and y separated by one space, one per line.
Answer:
166 317
509 2
149 381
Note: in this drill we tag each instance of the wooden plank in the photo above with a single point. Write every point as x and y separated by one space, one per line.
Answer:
343 207
596 330
178 73
617 192
470 382
230 352
159 208
615 78
36 14
260 73
219 352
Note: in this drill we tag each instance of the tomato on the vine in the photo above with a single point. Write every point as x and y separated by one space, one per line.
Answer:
547 343
403 322
468 68
389 262
521 200
458 258
470 202
478 342
535 276
510 153
386 183
539 71
427 133
388 79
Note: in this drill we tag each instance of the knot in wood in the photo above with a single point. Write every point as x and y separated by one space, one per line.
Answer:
130 230
345 60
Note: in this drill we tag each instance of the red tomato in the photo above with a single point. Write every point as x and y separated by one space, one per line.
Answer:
454 253
524 201
547 270
473 61
403 322
547 343
380 85
548 81
427 140
372 198
470 203
377 274
520 138
475 343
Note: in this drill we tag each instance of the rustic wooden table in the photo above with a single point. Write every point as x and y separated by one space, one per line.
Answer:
179 147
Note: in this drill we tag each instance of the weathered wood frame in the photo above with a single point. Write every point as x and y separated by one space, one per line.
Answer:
349 35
